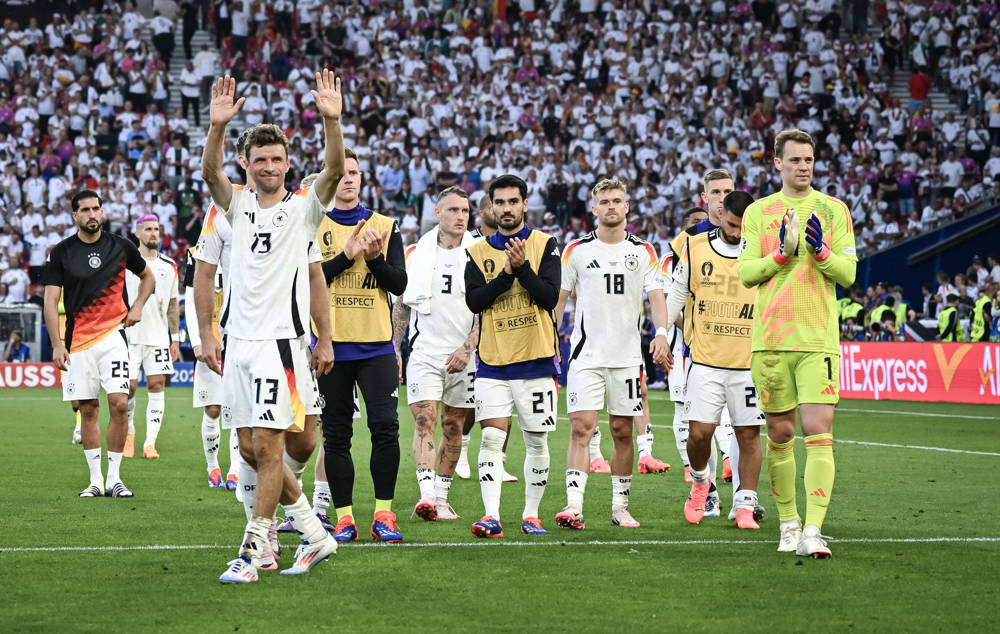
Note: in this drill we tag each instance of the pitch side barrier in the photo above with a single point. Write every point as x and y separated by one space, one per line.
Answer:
48 375
943 372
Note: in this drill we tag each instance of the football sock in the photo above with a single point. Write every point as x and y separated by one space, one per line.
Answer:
255 538
781 472
465 447
442 487
304 521
819 474
114 465
700 476
620 488
536 470
210 441
248 485
491 469
713 463
644 443
154 417
595 445
576 486
131 414
681 434
344 511
383 505
234 451
734 461
425 480
93 457
296 466
745 499
321 497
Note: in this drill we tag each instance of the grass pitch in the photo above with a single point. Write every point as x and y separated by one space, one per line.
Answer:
913 517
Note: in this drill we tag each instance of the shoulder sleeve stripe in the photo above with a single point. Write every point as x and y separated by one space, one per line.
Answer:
304 192
653 259
410 249
569 249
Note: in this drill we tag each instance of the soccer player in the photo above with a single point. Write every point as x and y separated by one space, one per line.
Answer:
719 376
677 377
208 384
488 227
443 334
512 282
610 269
716 185
154 341
363 263
88 269
267 299
795 358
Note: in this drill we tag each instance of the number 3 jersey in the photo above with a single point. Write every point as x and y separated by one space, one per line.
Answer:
267 296
610 280
437 333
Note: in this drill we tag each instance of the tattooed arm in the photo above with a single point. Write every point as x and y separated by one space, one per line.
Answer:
400 322
460 358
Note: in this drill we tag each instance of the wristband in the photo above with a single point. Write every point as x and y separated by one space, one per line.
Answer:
780 259
175 338
661 331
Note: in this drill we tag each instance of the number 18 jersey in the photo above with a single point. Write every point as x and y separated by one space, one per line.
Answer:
610 280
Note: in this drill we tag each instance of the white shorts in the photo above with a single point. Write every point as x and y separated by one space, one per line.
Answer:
534 399
267 383
427 380
207 386
153 359
587 388
103 365
713 391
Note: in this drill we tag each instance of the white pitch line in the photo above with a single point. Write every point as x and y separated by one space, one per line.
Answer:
898 446
517 544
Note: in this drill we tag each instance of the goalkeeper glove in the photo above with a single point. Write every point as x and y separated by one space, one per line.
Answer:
814 238
789 234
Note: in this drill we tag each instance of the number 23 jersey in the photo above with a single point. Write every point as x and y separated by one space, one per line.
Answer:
610 280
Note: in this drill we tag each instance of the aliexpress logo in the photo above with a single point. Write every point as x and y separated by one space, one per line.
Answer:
948 367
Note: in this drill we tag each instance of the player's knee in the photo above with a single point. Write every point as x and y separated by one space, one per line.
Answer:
700 432
384 431
536 444
621 429
213 411
300 446
493 438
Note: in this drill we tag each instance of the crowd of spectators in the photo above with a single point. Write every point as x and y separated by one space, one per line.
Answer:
559 92
879 312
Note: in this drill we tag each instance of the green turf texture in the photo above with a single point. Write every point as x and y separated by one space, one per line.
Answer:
584 581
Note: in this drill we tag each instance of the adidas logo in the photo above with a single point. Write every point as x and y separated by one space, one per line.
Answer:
594 265
266 416
829 390
818 493
486 478
540 483
572 485
549 422
774 226
638 409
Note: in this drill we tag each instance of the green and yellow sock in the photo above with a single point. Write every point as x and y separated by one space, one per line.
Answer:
343 511
76 415
819 475
781 470
383 505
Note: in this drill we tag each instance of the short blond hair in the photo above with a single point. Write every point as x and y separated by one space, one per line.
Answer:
608 183
714 175
798 136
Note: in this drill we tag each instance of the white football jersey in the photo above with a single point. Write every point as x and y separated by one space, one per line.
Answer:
215 244
610 280
153 329
436 335
267 293
674 335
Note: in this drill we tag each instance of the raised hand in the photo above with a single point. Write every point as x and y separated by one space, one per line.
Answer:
789 234
814 238
353 246
329 101
373 243
222 108
516 252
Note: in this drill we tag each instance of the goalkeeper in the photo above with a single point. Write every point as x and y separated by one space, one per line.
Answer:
798 245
